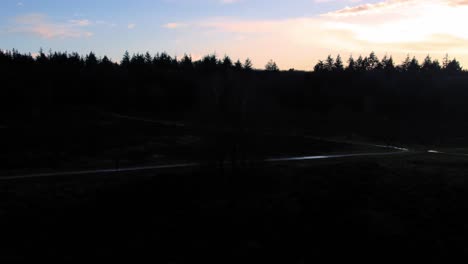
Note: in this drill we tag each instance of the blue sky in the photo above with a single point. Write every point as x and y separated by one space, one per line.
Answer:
294 33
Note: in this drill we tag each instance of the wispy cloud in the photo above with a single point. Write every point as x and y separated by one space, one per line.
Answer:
105 23
457 2
376 7
42 26
80 22
401 21
174 25
394 26
328 1
394 21
131 26
226 2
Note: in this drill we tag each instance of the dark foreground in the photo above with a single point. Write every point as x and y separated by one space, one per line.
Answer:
411 206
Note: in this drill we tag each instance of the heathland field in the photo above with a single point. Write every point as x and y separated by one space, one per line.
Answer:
364 207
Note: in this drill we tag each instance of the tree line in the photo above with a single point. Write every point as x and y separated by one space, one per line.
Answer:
33 83
372 63
367 94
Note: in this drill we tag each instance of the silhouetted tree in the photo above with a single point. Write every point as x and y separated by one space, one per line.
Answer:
387 64
186 62
372 62
319 67
248 64
453 66
163 61
91 60
271 66
329 63
106 61
42 58
165 85
351 64
426 66
126 59
436 66
209 62
405 65
338 64
430 66
148 58
445 61
414 65
238 65
362 64
227 62
137 60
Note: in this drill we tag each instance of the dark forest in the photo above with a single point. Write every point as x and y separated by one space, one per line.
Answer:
412 102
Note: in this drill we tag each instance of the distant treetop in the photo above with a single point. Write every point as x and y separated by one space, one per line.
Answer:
371 63
271 66
165 62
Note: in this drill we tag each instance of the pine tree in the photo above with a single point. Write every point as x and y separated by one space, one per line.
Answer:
126 59
186 62
405 65
238 65
373 62
389 65
436 65
445 61
42 58
453 66
338 64
91 60
227 62
414 65
330 63
148 58
209 62
427 64
248 64
351 64
361 64
106 61
319 67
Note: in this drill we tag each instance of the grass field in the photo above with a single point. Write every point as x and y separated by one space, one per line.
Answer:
84 140
364 208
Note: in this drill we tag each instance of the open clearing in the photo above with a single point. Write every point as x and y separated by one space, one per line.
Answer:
360 207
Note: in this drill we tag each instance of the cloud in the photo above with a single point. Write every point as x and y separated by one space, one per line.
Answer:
105 23
229 1
131 26
396 27
457 2
174 25
401 21
80 22
376 7
328 1
436 43
40 25
243 26
20 4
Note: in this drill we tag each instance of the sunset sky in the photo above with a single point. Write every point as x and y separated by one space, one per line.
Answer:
294 33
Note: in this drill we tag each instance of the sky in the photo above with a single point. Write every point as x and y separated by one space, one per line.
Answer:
293 33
